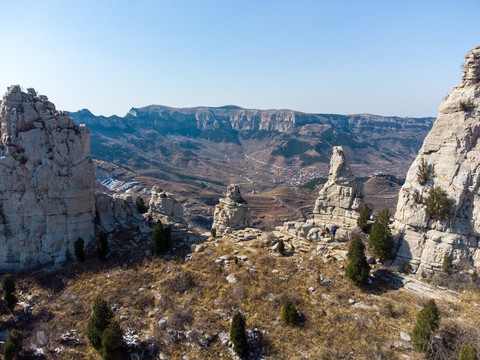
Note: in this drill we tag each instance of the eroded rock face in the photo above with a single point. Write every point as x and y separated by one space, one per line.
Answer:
46 182
340 199
117 211
232 213
452 150
164 207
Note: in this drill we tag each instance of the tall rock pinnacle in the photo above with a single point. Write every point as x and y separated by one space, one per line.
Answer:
46 182
450 162
232 212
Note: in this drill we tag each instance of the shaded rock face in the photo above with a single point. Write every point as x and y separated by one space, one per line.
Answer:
232 213
46 182
452 151
118 211
340 199
164 207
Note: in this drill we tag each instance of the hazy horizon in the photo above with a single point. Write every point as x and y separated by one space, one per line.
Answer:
376 57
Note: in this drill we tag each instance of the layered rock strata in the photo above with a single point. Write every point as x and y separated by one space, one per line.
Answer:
450 158
46 182
340 199
232 212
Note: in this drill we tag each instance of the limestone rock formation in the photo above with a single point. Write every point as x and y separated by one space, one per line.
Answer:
117 211
340 199
232 213
164 207
452 152
46 182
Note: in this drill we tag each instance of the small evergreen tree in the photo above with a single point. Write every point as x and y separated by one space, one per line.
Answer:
13 345
468 353
424 172
79 252
289 313
98 322
427 322
438 204
102 246
168 235
447 263
358 269
213 232
281 247
238 336
381 238
112 339
142 209
160 240
362 220
8 287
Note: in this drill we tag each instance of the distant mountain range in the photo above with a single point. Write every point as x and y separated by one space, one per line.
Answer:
267 147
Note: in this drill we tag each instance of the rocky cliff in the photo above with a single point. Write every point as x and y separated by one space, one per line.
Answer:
341 197
449 163
232 213
46 182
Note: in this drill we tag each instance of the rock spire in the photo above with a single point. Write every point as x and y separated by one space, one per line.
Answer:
449 161
232 213
46 182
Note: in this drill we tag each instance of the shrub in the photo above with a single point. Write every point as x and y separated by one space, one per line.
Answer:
427 322
281 247
98 322
102 246
213 232
79 252
142 209
112 338
161 243
235 259
362 221
390 310
357 269
13 345
468 353
407 267
381 238
8 287
424 172
474 277
289 313
447 263
238 336
467 105
416 196
438 204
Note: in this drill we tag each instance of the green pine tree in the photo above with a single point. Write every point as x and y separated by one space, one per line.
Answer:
161 243
98 322
381 238
358 269
281 247
112 338
8 287
438 204
427 322
78 247
102 246
238 336
468 353
290 313
362 220
13 345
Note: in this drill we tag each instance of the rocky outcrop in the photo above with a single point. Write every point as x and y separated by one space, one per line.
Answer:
341 197
119 211
46 182
232 213
164 207
451 151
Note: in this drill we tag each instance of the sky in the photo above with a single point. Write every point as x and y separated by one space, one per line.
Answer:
381 57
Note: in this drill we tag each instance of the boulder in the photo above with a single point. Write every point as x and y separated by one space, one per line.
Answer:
162 205
232 212
47 196
451 152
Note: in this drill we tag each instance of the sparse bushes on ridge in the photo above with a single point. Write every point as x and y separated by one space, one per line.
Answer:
237 334
8 287
79 252
438 204
289 313
357 269
13 345
424 172
362 220
381 238
427 322
102 246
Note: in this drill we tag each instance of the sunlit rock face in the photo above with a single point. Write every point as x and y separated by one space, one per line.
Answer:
46 182
232 213
452 151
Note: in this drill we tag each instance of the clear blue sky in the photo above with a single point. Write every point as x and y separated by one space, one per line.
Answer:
382 56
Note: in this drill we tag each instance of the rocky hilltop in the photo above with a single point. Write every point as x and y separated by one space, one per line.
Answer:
447 164
46 182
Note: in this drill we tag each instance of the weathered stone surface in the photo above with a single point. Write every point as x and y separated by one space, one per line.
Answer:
46 182
117 211
340 199
452 150
162 206
232 213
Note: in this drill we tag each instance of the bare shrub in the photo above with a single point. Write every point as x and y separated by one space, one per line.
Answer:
182 282
450 339
180 319
144 301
